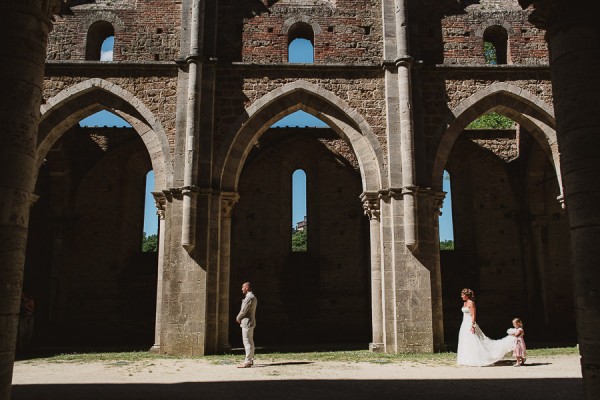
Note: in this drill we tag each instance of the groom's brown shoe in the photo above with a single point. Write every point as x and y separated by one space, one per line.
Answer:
244 365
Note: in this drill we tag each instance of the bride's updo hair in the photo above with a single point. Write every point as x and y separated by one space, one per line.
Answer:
469 293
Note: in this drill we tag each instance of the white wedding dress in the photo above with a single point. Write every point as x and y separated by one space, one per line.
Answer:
476 349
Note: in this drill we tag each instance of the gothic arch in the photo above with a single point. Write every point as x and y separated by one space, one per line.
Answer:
83 99
521 106
300 95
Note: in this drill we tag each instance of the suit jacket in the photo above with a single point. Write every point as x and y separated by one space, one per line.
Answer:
247 314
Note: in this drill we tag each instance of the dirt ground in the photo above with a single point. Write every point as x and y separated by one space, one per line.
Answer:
557 377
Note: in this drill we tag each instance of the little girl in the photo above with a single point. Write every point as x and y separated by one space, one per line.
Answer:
520 352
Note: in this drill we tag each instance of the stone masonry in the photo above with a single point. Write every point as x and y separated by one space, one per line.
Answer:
201 82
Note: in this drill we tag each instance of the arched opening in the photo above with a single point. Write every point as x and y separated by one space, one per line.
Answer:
98 40
495 45
95 288
446 228
504 225
299 214
333 271
150 231
301 43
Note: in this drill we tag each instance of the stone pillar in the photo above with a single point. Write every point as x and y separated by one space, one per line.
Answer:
573 35
25 25
161 201
371 207
407 283
228 202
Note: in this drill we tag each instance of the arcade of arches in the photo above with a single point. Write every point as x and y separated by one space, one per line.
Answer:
201 102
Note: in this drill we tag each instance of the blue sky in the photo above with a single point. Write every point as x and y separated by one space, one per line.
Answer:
300 52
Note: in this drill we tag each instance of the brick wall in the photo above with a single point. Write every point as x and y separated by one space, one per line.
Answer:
145 30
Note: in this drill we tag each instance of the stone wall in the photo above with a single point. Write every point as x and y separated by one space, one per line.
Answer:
345 31
142 30
92 284
303 297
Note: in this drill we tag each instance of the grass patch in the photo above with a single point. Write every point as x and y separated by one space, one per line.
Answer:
120 358
447 358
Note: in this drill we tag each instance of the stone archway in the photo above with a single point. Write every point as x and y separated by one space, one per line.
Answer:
345 123
521 106
300 95
505 209
60 115
71 105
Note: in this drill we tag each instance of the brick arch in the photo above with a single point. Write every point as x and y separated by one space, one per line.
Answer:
303 19
526 109
73 104
308 97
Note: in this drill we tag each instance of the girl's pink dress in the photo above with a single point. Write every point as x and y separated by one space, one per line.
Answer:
520 349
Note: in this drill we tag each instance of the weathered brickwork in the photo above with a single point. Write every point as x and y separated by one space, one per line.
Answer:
345 31
142 31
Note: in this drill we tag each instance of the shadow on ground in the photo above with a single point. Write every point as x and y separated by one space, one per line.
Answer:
488 389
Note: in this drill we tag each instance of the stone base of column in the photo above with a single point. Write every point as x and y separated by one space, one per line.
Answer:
376 347
155 349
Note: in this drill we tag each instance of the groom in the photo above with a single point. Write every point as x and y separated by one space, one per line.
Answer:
247 320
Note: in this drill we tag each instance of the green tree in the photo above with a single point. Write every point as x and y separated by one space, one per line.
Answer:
489 53
299 241
492 120
149 243
447 245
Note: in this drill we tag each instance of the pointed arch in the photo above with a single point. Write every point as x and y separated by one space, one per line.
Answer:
73 104
308 97
521 106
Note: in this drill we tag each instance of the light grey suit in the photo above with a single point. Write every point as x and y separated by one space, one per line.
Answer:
247 319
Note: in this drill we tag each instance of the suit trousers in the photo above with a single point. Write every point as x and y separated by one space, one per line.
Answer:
248 340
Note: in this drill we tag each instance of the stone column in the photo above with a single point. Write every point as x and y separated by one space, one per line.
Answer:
573 35
161 200
371 206
228 202
26 25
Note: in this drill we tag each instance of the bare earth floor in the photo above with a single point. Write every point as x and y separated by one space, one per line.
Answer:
553 377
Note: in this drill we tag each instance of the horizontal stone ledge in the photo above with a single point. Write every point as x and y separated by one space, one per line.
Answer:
488 68
54 67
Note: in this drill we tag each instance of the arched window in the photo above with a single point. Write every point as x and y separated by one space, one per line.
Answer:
97 37
150 232
495 45
301 40
299 217
446 230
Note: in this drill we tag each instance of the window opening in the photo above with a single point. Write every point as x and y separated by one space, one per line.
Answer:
100 41
495 45
301 39
446 226
299 215
150 231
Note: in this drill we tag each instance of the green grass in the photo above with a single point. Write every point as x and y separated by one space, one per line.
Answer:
339 356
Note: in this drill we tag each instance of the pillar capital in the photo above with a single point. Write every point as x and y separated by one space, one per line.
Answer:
228 203
370 202
160 200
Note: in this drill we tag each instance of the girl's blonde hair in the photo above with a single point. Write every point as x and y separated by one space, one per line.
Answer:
518 321
469 293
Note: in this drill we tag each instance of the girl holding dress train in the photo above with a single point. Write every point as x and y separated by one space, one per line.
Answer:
520 351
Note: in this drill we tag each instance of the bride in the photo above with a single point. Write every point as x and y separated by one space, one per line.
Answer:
474 348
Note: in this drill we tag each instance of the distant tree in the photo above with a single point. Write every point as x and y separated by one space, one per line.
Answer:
489 53
447 245
492 120
299 241
149 243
